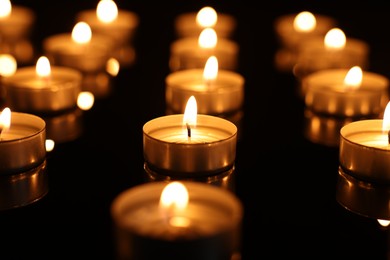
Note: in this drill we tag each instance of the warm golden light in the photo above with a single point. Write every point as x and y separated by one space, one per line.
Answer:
210 71
49 145
5 8
335 39
85 100
190 113
206 17
113 67
106 11
8 65
354 78
5 120
208 38
82 33
383 222
305 22
386 118
43 67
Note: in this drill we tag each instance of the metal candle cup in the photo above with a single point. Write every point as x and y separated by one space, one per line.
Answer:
22 146
365 150
324 93
225 94
28 92
186 26
92 57
210 150
187 54
215 217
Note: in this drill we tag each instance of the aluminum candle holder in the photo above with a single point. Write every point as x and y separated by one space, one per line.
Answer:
23 161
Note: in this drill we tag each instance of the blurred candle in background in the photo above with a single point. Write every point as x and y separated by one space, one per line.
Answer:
16 25
193 52
335 50
293 29
192 23
83 51
218 92
118 25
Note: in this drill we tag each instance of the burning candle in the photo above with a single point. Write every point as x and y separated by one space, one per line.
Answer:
189 145
193 52
192 23
292 29
346 92
15 21
334 50
43 89
117 24
216 91
178 220
79 50
23 178
22 141
365 149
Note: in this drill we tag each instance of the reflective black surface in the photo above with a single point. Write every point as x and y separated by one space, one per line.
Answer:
286 182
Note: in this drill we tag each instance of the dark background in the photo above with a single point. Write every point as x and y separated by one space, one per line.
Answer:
287 184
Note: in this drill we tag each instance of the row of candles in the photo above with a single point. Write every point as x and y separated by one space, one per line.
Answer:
346 106
185 145
187 209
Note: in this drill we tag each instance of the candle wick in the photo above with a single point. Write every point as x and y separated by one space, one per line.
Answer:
188 130
388 137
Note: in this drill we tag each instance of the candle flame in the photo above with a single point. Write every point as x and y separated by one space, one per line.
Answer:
386 118
174 201
190 114
305 22
49 144
5 8
106 11
335 39
5 120
383 222
210 71
43 67
208 38
206 17
82 33
8 65
354 77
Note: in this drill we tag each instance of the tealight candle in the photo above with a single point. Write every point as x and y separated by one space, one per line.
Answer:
292 29
178 220
189 145
79 50
117 24
43 89
15 21
346 92
22 141
192 23
365 149
193 52
216 91
334 50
